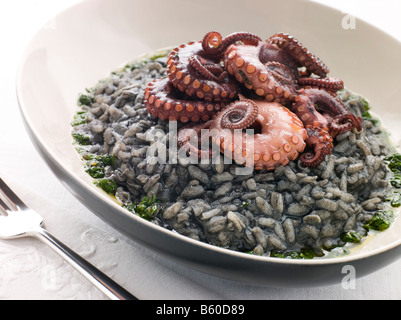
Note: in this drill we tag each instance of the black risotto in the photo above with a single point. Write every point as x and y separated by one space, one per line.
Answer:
290 212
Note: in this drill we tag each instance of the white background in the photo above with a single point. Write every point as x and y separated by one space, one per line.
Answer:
28 270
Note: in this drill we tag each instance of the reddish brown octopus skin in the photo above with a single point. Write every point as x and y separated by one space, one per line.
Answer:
330 84
314 106
163 101
194 68
197 85
272 80
324 117
204 77
191 139
213 43
320 145
280 140
190 136
271 68
299 53
204 81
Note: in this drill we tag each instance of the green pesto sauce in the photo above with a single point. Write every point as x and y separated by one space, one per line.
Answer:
146 209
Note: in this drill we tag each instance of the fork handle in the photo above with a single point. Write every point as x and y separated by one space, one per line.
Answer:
110 288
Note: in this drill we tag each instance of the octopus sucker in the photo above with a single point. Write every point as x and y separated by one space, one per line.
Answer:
230 85
163 101
330 84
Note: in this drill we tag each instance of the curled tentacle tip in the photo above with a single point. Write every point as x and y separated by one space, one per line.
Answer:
239 114
212 40
358 125
345 123
312 160
359 128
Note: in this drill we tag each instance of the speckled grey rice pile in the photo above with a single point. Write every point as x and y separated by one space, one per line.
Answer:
284 210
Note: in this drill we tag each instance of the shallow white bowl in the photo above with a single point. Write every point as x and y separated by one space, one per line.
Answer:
86 42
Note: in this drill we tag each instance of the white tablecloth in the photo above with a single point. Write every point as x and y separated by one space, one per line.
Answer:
30 270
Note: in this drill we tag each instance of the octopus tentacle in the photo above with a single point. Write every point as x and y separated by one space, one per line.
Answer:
163 101
304 107
269 80
299 53
213 43
189 135
325 117
239 115
280 72
332 110
344 123
271 53
188 74
330 84
265 149
209 71
320 142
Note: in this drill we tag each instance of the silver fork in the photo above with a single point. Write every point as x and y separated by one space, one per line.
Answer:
18 221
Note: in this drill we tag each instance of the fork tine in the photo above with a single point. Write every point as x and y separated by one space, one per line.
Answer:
9 198
3 211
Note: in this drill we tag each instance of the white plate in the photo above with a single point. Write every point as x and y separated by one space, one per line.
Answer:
86 42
